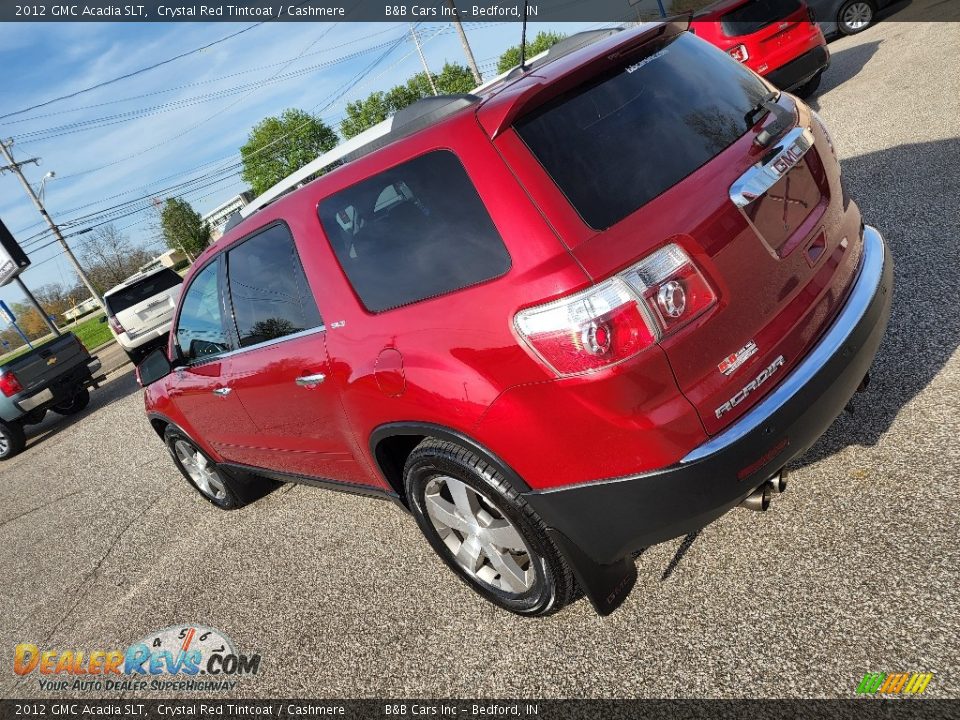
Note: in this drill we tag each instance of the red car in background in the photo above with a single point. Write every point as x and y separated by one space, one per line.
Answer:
778 39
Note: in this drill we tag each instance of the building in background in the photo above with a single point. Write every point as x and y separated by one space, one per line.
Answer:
217 218
170 259
81 309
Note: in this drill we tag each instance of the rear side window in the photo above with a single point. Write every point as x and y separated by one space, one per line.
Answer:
200 330
756 15
268 288
416 231
142 290
618 142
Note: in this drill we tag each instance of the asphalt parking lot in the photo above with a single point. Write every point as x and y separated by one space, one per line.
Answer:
855 569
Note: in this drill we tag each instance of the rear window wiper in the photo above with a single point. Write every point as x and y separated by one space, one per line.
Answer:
765 106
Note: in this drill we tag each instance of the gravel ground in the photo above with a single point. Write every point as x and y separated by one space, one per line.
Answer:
853 570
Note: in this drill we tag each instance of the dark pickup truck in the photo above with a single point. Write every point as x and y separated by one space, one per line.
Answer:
53 376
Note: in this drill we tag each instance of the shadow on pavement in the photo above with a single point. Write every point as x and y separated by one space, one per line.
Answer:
910 194
844 65
53 424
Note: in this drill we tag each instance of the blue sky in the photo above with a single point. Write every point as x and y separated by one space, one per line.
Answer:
42 61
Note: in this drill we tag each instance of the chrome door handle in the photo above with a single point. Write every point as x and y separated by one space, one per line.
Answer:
223 392
765 174
310 381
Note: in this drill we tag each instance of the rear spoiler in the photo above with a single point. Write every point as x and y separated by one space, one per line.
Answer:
576 67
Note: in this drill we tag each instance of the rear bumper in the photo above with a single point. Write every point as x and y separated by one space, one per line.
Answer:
131 342
796 72
608 520
62 389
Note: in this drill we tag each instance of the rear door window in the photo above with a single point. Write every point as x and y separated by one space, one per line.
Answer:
142 290
415 231
624 138
268 288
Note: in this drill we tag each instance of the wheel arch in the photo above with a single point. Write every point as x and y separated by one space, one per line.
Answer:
392 443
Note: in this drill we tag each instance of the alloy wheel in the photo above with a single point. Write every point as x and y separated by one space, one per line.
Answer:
4 444
200 470
479 535
857 16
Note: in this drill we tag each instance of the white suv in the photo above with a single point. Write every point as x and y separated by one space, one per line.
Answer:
140 309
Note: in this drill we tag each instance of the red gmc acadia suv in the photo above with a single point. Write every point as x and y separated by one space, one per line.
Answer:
590 307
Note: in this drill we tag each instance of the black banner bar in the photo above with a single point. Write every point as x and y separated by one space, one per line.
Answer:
190 709
393 11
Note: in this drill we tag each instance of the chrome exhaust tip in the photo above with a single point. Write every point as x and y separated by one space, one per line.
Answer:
759 499
778 483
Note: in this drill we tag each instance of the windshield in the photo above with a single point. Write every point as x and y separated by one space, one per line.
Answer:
621 140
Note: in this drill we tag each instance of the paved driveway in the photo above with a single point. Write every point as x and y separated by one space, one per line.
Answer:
855 569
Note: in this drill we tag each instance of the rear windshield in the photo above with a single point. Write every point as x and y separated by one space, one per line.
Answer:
141 290
756 15
618 142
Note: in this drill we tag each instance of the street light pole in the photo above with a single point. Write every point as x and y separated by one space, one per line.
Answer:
14 167
471 61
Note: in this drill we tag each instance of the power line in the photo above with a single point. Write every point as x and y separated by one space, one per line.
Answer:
133 73
206 81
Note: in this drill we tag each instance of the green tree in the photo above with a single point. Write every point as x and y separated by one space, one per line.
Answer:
182 228
378 106
543 41
279 146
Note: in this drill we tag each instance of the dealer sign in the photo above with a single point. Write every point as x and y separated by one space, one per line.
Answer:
13 260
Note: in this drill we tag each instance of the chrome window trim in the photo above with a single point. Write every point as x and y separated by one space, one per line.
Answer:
862 294
759 178
261 345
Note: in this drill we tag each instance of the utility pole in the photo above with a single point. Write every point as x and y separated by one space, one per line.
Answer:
471 61
423 59
14 167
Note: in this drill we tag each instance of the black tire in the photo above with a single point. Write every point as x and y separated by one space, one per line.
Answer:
232 494
12 440
77 403
553 585
135 356
810 87
847 29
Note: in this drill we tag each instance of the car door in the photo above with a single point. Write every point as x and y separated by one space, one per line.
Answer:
197 386
281 368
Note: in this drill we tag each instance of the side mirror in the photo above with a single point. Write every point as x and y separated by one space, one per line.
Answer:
155 366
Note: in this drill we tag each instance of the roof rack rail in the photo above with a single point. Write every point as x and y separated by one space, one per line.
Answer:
412 118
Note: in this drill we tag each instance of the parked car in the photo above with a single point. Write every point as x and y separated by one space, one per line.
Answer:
846 16
583 310
778 39
139 310
53 376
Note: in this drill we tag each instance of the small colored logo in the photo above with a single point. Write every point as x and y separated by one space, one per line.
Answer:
204 659
894 683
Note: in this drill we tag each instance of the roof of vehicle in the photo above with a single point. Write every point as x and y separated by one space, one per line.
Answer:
134 279
496 104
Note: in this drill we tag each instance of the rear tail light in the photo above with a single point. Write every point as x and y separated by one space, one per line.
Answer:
616 319
739 53
9 385
115 325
